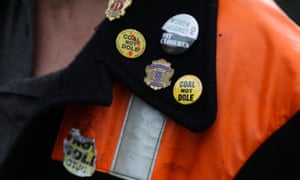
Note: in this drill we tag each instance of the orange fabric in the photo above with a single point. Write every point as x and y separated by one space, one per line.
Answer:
107 132
258 90
258 83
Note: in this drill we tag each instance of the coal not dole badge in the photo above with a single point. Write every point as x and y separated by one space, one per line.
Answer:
79 154
180 32
130 43
187 89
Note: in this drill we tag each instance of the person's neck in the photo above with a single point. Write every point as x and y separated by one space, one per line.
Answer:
77 10
62 28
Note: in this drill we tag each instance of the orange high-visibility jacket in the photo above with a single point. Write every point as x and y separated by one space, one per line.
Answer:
258 95
258 92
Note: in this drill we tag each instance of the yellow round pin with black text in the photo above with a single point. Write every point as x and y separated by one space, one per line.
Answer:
131 43
187 89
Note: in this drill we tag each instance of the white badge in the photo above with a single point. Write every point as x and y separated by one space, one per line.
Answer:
180 32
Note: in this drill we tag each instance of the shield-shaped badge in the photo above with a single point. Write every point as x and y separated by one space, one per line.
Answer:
158 74
116 8
79 155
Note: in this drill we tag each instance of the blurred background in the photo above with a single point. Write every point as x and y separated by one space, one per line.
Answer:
292 8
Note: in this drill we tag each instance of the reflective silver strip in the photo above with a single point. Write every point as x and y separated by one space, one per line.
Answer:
139 141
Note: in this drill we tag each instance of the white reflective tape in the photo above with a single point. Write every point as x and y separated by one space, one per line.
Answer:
139 141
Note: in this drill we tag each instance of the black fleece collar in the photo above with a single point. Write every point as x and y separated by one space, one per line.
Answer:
88 78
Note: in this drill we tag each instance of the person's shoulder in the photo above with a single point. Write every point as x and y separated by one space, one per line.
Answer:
257 19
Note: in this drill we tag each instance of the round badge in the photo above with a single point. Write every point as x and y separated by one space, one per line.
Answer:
187 89
180 32
130 43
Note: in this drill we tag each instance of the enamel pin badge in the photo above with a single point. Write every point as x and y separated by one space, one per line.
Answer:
116 8
159 74
79 155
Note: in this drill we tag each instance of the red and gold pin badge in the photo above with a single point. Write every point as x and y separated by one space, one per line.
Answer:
116 8
130 43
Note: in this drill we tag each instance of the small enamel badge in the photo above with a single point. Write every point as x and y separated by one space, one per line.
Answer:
116 8
187 89
158 74
79 155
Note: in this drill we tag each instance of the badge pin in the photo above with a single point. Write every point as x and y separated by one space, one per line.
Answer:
158 74
187 89
180 32
130 43
79 155
116 8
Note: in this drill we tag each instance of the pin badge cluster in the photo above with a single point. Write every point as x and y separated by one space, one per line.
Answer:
130 43
180 32
116 8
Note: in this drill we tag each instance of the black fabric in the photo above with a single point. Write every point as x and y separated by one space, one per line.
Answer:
30 158
18 99
16 39
278 157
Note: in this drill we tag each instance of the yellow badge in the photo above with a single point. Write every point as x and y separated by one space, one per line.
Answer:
130 43
187 89
159 74
116 8
79 155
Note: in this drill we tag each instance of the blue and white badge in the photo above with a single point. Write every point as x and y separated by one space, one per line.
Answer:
158 74
180 32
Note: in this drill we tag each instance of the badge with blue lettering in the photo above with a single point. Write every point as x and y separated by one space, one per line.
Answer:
131 43
79 155
116 8
180 32
158 74
187 89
